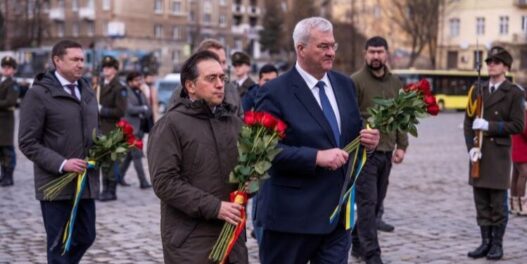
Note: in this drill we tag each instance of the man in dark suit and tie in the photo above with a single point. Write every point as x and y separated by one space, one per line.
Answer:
307 177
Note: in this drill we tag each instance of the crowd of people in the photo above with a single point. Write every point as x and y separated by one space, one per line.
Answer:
192 148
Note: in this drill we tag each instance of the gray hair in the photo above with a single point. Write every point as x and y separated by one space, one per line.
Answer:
303 28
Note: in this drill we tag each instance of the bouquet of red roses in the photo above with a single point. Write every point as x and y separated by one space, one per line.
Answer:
415 101
257 147
106 149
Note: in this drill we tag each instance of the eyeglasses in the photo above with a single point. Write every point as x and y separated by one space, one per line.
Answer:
214 77
327 46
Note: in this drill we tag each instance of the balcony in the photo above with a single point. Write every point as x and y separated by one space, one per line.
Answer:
255 11
87 13
56 14
238 9
520 3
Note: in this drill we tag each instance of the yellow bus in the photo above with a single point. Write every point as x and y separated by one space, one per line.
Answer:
450 87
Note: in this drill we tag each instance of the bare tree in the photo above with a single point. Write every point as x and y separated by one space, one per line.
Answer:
419 20
272 35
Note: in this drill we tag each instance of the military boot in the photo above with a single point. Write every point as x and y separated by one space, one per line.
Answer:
496 249
7 176
110 195
484 248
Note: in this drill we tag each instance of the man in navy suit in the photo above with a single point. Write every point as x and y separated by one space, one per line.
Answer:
307 177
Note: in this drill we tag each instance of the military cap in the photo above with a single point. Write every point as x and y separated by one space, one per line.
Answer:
9 61
239 58
109 61
500 54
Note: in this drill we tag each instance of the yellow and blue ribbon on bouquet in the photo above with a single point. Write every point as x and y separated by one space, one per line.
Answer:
81 185
359 159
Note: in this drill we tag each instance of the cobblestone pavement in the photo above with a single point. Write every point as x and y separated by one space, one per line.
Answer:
428 201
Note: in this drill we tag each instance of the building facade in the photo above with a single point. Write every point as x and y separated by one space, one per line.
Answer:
168 29
469 28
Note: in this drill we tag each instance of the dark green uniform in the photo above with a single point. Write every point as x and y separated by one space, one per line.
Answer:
8 97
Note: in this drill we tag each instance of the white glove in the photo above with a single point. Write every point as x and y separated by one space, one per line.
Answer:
100 107
475 154
145 108
480 124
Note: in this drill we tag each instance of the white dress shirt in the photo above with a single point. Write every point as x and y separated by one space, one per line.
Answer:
496 86
65 82
311 82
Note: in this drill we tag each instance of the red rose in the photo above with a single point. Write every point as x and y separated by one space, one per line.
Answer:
429 100
122 123
138 144
249 118
131 140
410 87
280 128
433 109
268 121
128 130
258 117
424 87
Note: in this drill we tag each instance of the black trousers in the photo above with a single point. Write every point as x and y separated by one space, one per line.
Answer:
491 206
371 189
56 214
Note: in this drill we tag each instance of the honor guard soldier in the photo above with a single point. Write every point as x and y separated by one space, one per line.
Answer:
242 67
8 97
502 114
112 107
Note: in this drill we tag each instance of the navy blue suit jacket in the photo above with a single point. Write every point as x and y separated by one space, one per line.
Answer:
300 196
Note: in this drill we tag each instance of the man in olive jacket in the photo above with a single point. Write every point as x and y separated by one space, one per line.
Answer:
503 115
375 80
191 151
8 96
57 119
112 107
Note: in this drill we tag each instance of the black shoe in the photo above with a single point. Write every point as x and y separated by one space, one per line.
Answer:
496 245
482 250
356 253
253 235
145 185
384 227
123 183
6 183
375 259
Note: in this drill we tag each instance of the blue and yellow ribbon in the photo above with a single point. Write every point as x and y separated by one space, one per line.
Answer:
68 230
359 159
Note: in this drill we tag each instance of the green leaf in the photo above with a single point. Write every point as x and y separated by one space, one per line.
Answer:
121 150
245 170
271 154
412 130
232 178
262 167
253 186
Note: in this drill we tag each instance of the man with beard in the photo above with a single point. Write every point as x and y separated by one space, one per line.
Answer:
372 81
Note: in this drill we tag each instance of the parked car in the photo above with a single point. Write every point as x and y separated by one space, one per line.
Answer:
165 88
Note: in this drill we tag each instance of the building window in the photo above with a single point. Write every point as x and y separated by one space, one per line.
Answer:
75 5
60 4
191 16
176 33
60 29
523 59
75 29
504 25
106 5
454 27
207 18
158 6
480 26
207 6
223 21
223 2
451 62
478 57
176 56
158 31
90 4
176 7
524 24
90 28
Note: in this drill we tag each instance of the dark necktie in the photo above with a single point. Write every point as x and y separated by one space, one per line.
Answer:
328 111
492 89
71 88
